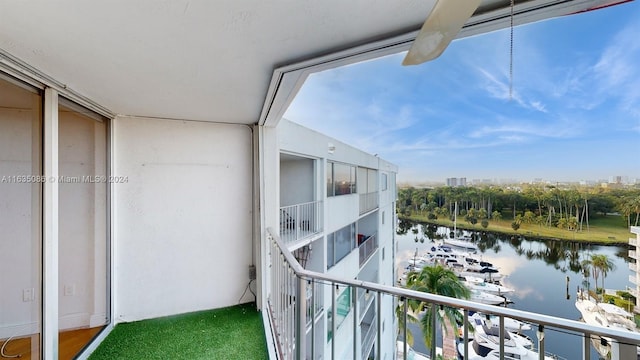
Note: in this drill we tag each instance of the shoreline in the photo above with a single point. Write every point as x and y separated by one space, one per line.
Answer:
524 234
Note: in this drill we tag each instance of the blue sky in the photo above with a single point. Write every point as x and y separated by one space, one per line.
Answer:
574 114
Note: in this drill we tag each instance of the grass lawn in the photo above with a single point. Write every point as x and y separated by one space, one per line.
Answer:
611 229
230 333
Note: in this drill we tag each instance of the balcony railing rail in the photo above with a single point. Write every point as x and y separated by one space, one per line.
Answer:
367 248
287 297
300 221
368 202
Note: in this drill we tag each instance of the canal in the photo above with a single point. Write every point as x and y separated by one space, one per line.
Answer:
537 269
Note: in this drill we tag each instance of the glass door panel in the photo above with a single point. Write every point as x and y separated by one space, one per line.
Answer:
20 219
83 227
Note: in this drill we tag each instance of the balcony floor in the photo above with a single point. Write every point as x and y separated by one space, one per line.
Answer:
230 333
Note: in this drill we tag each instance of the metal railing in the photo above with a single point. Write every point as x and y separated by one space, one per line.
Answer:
287 298
367 248
365 299
368 336
368 202
300 221
314 303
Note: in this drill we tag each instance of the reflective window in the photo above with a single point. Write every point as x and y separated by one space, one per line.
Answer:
340 244
20 219
341 179
83 227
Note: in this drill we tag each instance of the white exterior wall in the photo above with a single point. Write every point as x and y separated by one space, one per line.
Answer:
340 211
183 222
297 182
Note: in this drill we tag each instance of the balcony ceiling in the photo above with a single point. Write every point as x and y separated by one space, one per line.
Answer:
192 59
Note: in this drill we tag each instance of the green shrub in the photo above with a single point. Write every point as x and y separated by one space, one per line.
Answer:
625 304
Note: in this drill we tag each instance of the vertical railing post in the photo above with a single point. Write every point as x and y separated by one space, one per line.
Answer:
404 330
586 346
333 320
301 318
541 341
501 331
378 325
434 311
465 333
313 319
356 316
297 223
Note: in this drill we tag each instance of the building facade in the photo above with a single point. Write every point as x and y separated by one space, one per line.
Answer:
634 278
337 216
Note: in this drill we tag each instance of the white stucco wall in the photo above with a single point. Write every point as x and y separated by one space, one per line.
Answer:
183 222
343 210
296 181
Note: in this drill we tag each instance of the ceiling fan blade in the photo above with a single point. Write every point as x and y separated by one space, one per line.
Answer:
441 27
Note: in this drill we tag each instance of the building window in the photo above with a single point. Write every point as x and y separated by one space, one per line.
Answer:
341 179
340 244
385 182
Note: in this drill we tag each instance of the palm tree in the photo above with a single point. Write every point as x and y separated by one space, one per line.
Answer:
441 281
604 264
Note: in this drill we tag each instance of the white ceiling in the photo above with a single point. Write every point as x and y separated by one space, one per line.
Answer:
192 59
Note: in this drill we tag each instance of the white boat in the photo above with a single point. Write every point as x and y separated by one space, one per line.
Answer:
478 283
486 345
604 314
512 325
412 354
487 276
486 298
462 244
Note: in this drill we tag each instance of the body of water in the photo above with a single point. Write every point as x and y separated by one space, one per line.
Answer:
538 271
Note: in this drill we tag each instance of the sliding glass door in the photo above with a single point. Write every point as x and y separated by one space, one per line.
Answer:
83 227
20 219
54 299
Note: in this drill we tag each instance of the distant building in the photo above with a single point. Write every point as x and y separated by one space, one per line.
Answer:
454 182
615 179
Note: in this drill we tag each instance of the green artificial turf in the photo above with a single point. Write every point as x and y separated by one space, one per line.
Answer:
229 333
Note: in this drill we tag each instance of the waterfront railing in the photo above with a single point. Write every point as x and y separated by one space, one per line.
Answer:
289 316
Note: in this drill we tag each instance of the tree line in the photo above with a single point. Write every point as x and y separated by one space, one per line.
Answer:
546 205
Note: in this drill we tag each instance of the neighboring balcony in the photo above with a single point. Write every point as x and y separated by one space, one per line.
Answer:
633 241
632 254
300 221
633 279
633 266
367 247
368 202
